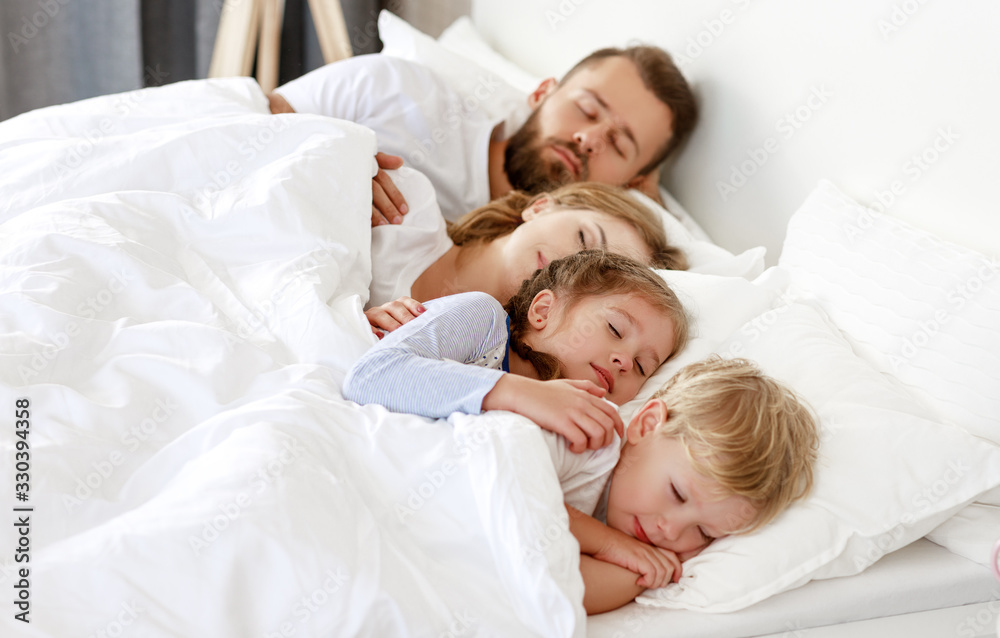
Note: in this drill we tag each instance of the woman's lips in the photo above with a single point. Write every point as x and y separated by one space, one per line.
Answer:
605 377
641 533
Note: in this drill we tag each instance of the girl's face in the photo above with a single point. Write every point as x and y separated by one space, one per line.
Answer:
617 341
550 232
658 497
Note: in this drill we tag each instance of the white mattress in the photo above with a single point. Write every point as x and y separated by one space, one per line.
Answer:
918 577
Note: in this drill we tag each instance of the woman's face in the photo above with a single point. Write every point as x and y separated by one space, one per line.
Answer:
550 232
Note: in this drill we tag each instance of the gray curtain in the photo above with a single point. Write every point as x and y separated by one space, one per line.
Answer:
58 51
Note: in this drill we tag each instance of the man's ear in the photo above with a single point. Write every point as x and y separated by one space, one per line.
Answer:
534 208
643 422
540 310
536 97
649 184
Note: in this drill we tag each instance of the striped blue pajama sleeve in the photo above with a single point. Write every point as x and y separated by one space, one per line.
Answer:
422 367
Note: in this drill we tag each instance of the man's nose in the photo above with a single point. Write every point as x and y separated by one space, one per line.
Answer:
593 139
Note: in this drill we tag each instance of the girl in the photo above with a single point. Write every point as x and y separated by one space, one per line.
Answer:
584 328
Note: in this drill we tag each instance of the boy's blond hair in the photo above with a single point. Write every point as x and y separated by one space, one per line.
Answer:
745 430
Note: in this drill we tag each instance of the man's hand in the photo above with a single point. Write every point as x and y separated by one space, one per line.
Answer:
656 567
278 104
572 408
389 316
388 204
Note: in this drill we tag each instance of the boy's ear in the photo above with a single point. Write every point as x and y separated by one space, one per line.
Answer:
536 97
540 310
643 422
536 207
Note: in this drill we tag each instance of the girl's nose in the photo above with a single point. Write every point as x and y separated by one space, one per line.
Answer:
622 362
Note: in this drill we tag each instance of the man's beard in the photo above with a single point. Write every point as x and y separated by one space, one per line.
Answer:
528 171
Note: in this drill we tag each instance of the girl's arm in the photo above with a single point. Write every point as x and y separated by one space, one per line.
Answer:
421 367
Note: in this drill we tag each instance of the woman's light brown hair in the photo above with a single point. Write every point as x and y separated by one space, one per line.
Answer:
501 216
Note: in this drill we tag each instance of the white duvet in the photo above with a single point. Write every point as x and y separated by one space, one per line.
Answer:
181 283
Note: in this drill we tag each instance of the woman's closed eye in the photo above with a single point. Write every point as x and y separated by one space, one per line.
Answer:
583 239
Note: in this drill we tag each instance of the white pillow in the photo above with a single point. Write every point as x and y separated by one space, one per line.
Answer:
704 256
468 63
887 473
920 309
491 91
463 38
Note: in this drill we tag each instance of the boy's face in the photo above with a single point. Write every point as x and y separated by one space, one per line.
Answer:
659 498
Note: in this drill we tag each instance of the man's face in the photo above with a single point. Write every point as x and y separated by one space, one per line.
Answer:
602 125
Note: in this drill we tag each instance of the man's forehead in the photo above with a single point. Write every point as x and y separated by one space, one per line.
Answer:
605 72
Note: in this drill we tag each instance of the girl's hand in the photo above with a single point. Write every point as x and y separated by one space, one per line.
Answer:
572 408
389 316
656 567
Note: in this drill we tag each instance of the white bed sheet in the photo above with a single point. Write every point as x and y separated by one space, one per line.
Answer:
919 577
181 282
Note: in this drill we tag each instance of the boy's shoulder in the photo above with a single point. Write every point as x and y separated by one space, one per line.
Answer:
584 476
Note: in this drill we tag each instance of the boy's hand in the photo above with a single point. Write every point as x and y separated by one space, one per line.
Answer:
388 204
656 567
572 408
392 315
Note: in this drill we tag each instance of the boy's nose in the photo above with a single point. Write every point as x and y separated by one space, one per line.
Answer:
668 529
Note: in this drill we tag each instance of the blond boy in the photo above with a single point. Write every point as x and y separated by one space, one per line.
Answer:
720 449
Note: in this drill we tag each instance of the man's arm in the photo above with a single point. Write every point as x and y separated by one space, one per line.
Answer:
278 104
388 204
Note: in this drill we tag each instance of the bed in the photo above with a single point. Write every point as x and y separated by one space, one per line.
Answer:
182 276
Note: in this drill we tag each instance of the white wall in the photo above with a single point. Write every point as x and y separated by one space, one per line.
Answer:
895 101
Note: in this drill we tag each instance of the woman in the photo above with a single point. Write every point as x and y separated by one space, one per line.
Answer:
494 248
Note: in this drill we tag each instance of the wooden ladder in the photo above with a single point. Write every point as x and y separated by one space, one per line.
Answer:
247 27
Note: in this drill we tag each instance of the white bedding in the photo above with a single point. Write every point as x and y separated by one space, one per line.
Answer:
181 278
180 294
